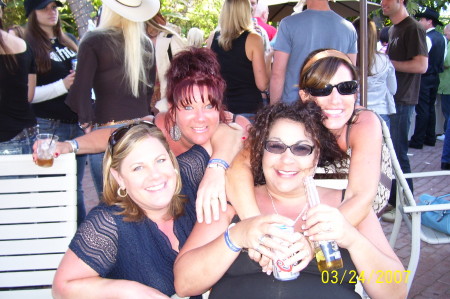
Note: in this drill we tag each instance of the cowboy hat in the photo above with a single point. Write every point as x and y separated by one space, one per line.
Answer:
430 14
134 10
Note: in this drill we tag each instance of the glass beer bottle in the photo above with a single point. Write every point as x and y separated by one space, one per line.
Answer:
327 253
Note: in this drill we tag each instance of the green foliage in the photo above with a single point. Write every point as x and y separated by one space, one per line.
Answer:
14 13
413 7
203 14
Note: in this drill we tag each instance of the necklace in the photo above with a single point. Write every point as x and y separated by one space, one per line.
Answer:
275 209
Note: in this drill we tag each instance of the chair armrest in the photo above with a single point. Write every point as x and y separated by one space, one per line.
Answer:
426 174
426 208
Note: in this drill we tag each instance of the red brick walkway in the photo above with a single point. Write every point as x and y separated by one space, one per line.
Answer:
432 279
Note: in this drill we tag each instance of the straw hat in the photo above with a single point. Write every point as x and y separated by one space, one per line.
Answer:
134 10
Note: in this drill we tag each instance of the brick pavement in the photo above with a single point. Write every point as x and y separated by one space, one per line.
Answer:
432 278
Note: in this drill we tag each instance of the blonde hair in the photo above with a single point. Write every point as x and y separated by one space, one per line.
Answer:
136 53
235 17
113 159
195 37
372 39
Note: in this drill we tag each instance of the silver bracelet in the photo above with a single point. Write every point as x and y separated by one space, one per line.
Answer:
74 145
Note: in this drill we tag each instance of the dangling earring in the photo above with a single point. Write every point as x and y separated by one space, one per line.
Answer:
175 133
120 192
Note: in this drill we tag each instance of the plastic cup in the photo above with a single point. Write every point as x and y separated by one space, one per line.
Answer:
46 147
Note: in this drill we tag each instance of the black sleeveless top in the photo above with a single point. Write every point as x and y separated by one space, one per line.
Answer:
241 94
244 279
15 111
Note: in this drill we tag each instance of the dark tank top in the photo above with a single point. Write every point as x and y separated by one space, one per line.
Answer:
244 279
241 94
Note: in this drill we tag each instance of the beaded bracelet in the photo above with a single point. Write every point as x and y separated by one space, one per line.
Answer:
228 240
216 165
219 161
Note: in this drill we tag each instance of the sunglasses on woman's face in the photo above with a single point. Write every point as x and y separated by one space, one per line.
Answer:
298 149
344 88
118 134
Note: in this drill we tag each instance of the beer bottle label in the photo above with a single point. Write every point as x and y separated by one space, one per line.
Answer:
330 251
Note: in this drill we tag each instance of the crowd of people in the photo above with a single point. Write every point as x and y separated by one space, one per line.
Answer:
199 149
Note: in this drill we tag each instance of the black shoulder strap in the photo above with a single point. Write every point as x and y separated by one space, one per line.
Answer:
351 121
169 52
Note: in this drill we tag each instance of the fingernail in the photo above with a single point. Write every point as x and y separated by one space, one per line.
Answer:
56 155
305 233
303 226
243 138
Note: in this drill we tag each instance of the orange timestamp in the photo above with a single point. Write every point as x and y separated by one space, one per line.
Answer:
379 276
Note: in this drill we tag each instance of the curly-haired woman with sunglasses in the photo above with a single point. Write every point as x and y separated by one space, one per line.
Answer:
329 78
127 245
294 139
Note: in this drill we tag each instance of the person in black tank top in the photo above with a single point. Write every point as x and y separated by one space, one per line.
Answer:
240 52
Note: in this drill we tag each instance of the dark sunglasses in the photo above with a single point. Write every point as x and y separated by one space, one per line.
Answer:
344 88
118 134
298 149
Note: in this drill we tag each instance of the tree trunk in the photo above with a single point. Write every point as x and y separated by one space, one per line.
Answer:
81 10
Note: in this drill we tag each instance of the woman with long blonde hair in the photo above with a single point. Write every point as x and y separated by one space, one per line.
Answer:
116 60
240 52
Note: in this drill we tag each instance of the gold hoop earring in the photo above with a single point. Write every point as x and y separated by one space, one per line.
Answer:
120 192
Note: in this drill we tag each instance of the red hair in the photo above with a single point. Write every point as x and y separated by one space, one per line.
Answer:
189 68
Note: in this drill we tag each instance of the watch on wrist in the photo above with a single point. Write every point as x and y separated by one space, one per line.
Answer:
84 127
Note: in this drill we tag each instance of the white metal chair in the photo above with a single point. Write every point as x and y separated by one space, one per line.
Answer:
408 211
37 221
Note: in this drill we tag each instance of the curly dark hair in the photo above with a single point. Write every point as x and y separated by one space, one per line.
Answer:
307 113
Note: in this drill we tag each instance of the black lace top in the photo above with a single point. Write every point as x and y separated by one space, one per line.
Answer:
139 251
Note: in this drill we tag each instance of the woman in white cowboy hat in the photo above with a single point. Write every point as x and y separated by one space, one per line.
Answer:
116 60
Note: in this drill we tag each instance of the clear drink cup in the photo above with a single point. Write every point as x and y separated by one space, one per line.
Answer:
46 147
